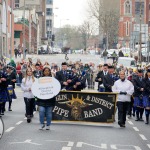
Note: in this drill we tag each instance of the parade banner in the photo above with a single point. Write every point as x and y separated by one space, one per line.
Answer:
85 107
46 87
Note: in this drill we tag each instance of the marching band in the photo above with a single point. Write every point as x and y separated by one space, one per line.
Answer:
77 77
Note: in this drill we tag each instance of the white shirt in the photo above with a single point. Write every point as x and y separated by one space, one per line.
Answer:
105 72
25 87
125 86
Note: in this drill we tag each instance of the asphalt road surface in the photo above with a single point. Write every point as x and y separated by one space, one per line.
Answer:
59 58
19 135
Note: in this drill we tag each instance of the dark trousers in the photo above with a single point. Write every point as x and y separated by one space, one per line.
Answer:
29 104
10 102
122 111
2 107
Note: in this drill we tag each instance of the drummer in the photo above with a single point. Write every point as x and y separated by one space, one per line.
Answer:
4 95
146 98
11 78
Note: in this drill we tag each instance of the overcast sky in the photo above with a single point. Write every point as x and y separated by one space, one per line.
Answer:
74 10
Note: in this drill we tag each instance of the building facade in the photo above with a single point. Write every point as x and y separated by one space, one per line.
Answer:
49 19
6 28
132 14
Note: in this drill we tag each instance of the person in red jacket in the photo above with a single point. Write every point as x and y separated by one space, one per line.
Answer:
19 73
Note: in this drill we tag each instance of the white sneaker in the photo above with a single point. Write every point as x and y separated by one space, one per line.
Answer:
42 126
47 127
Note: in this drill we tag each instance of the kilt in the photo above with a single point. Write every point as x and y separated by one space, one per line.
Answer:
4 95
146 101
138 102
13 96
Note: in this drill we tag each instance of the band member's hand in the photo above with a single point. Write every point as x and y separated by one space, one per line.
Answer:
69 81
78 83
29 89
13 80
3 79
0 81
99 79
65 83
142 89
74 86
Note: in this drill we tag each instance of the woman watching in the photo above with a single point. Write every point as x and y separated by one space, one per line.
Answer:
28 96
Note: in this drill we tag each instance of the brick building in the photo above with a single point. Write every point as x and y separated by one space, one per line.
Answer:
130 12
6 28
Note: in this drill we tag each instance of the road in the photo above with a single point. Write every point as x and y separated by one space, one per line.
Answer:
19 135
59 58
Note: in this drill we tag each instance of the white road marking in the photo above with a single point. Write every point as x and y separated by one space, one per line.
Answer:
148 146
130 122
113 146
137 148
143 137
136 129
80 144
9 129
70 144
34 112
18 123
28 141
25 118
66 148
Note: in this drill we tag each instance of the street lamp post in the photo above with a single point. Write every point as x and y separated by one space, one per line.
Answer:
140 60
24 31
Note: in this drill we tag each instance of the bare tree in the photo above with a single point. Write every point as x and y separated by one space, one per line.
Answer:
106 12
85 31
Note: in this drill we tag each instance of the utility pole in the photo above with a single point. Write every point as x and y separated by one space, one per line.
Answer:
24 30
11 39
140 59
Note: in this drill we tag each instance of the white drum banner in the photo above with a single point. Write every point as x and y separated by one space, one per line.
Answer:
46 87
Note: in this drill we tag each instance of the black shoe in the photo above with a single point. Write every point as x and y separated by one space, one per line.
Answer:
137 119
122 126
28 120
133 115
141 119
9 109
146 122
25 115
2 114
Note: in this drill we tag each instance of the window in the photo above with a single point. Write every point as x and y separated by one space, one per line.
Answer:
49 34
138 6
16 3
48 24
49 11
127 28
127 7
49 1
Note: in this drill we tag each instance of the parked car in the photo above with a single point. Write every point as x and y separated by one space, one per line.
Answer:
56 50
44 49
126 62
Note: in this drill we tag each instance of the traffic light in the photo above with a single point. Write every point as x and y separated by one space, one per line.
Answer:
53 37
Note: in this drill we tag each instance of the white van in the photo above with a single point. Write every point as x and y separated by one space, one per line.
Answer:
127 62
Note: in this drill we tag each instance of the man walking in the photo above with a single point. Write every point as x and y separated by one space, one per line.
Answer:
125 89
105 53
